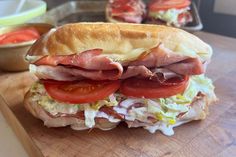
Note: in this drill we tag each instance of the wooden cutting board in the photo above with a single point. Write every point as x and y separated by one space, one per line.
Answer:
215 136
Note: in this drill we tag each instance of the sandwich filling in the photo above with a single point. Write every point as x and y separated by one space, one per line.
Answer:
150 113
157 90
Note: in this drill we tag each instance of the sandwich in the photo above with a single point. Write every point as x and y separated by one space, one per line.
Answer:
171 12
97 75
130 11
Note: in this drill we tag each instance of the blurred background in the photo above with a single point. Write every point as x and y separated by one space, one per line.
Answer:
218 16
214 16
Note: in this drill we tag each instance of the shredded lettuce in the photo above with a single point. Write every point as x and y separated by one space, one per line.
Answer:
54 107
50 105
91 110
167 109
161 115
90 115
199 83
176 107
170 16
203 84
138 113
110 101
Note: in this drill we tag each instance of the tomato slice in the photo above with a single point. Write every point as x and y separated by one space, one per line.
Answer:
136 87
85 91
119 7
157 5
18 36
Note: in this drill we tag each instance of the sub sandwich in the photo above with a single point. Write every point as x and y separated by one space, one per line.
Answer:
96 75
130 11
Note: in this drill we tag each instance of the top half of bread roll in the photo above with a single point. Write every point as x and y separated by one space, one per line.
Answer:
121 41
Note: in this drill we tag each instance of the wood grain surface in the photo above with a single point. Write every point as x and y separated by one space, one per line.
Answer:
213 137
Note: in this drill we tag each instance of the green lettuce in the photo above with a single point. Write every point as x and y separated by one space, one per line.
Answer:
167 109
54 107
170 16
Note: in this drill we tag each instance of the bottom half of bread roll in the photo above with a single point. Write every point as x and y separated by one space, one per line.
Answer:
152 114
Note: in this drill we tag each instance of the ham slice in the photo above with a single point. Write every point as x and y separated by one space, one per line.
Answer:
88 64
163 57
61 73
164 76
155 74
140 70
157 57
190 66
93 65
90 59
164 73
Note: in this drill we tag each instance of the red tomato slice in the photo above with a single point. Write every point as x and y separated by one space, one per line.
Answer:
82 91
135 87
119 7
157 5
18 36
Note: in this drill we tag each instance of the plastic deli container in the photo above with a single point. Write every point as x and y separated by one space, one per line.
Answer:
29 10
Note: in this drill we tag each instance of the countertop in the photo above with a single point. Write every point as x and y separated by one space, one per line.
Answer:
11 147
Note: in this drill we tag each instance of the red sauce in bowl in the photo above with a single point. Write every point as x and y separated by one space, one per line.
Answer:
18 36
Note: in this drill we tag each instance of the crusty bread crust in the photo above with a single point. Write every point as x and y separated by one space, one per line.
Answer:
28 104
116 39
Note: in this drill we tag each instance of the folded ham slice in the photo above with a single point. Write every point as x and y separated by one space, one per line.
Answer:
61 73
92 64
88 64
157 57
190 66
90 60
163 57
137 71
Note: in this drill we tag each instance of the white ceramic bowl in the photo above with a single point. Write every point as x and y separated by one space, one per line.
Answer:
12 56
